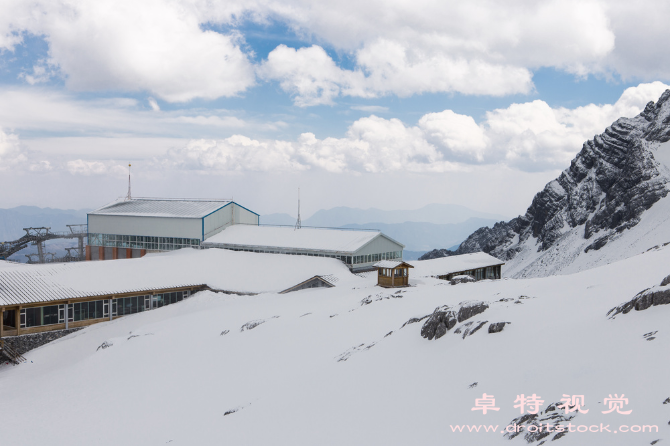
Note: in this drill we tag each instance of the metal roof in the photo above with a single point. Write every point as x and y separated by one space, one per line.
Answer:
162 207
391 264
44 283
288 238
219 269
455 264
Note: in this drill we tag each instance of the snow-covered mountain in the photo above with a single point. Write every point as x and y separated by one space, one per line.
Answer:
611 203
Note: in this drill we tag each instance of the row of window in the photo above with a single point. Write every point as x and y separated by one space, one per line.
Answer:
370 258
98 309
388 272
489 272
349 260
141 242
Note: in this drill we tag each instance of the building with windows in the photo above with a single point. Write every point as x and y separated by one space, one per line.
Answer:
479 265
358 249
132 227
55 296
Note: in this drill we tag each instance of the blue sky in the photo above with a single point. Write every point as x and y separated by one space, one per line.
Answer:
257 98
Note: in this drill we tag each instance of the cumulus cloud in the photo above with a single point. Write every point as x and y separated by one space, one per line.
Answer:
475 47
312 77
371 145
155 45
478 47
531 136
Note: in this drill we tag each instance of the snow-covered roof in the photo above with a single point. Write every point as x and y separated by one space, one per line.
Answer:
161 207
334 240
454 264
391 264
217 268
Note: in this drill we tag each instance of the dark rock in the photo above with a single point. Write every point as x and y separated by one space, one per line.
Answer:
471 309
497 327
474 329
441 316
441 330
462 279
661 297
252 324
436 254
551 415
611 182
104 345
643 302
665 281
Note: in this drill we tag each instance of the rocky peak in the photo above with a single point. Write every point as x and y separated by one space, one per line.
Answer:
609 184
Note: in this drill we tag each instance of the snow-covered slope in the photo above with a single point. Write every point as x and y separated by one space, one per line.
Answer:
339 366
611 203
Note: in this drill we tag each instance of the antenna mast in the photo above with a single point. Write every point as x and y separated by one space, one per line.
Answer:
129 197
298 224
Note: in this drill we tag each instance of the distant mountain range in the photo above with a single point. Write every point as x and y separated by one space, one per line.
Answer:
13 220
340 216
419 230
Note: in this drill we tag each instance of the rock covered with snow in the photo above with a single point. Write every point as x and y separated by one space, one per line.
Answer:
461 279
658 295
610 184
445 318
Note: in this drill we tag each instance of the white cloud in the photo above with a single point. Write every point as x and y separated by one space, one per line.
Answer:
11 152
309 74
237 153
153 45
87 168
534 136
372 145
47 110
153 104
530 136
458 134
399 48
476 47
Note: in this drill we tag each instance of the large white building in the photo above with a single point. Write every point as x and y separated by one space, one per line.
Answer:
358 249
132 227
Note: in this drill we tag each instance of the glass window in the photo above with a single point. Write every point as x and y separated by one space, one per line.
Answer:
33 317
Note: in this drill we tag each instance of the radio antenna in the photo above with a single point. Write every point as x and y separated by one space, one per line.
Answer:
298 224
129 197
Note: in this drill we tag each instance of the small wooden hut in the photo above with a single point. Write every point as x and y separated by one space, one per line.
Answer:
392 273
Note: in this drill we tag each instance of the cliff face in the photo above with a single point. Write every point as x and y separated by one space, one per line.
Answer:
611 183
